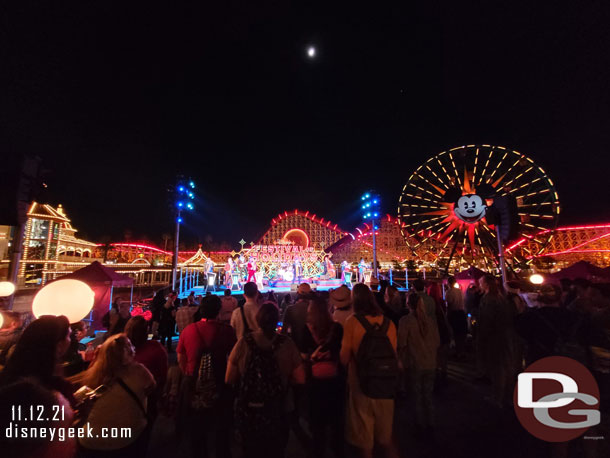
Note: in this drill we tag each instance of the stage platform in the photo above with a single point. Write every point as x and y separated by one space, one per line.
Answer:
276 287
220 290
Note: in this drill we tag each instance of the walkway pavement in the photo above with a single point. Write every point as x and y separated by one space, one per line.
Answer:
467 427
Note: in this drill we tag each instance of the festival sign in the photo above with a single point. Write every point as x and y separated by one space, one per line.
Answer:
273 259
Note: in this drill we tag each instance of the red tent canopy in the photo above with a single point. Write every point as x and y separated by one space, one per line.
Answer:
472 273
96 274
582 269
101 280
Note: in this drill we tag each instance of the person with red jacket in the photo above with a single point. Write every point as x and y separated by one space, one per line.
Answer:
251 270
217 338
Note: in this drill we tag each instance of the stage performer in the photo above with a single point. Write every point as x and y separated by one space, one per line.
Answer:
344 268
240 265
229 272
298 270
251 270
330 267
362 265
209 267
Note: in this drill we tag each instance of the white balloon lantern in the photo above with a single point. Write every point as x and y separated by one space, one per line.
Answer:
6 288
71 298
1 320
537 279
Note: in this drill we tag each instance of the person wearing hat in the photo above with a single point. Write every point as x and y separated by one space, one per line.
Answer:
295 317
340 300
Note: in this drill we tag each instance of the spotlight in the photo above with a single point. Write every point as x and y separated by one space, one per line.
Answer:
192 185
537 279
179 220
181 188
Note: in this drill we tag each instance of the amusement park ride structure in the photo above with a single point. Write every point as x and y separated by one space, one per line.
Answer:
442 224
445 200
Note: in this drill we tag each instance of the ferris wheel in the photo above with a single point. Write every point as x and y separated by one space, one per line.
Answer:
443 204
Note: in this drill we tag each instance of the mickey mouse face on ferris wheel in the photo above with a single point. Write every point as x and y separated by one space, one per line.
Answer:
470 208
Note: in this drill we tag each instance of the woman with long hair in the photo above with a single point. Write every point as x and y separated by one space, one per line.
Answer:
151 354
418 343
39 354
122 405
363 301
326 385
369 420
264 362
496 337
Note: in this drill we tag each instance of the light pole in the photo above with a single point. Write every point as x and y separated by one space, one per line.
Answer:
184 196
371 202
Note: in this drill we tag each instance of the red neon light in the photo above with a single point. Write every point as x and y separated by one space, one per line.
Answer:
137 245
557 253
567 228
574 228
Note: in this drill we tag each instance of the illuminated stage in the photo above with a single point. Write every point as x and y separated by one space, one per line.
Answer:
279 287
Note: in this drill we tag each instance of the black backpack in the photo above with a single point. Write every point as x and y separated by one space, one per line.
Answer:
206 391
259 406
376 361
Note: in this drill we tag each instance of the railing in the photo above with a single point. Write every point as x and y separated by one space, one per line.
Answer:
84 260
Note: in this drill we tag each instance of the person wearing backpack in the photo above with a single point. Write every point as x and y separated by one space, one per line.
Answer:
204 400
243 318
418 342
262 364
368 350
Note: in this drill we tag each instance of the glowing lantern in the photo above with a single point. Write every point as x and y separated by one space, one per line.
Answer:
1 320
71 298
6 288
537 279
456 285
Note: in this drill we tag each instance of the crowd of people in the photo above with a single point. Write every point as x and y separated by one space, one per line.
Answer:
329 366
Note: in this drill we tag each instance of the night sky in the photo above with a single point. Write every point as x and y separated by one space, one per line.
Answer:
119 97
